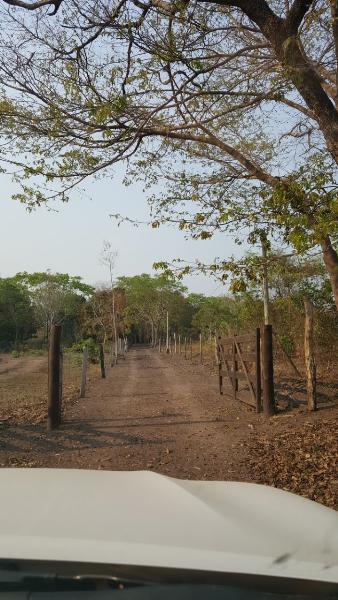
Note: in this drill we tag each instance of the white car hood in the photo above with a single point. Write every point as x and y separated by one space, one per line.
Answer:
142 518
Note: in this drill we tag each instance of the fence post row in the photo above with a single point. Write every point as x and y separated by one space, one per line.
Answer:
54 379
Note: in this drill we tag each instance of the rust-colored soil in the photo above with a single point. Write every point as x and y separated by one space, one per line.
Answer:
165 414
14 367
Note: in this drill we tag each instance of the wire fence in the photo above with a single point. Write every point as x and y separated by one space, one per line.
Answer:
198 349
36 387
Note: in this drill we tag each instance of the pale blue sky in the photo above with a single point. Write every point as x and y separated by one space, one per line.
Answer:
70 240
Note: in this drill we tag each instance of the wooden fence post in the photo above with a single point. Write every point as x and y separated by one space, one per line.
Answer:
219 361
258 371
54 372
234 369
60 386
179 343
216 351
268 385
123 348
167 340
111 354
185 347
310 363
101 353
201 356
84 372
175 345
191 348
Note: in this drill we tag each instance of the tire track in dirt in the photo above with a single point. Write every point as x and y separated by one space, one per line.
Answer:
151 412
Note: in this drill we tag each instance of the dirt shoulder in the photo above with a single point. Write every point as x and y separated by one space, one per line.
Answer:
14 367
164 414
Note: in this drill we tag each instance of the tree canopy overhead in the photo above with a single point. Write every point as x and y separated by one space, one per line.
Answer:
239 96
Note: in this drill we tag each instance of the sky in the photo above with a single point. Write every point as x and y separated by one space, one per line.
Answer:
70 240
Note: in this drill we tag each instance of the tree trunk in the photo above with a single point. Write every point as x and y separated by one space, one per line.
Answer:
330 258
265 284
115 329
310 364
283 37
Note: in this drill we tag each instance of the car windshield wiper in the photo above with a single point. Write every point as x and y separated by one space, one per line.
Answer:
13 580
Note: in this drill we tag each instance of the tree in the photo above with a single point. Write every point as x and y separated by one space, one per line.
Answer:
214 314
102 317
148 299
55 296
17 319
168 82
108 258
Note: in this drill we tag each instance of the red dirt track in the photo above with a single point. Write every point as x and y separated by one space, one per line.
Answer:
162 413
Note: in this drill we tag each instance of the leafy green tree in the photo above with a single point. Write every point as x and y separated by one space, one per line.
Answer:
215 314
56 297
148 301
17 318
192 93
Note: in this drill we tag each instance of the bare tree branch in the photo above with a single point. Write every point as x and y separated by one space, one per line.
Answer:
35 5
297 13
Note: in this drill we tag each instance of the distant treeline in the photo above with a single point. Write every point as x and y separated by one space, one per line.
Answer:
137 307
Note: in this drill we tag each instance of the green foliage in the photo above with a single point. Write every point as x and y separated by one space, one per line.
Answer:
56 298
287 343
89 343
147 301
214 314
32 300
17 319
37 352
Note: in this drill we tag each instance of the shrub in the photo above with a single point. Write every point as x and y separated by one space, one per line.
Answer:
91 345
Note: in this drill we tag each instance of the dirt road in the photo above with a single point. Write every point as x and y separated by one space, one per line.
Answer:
149 413
163 413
